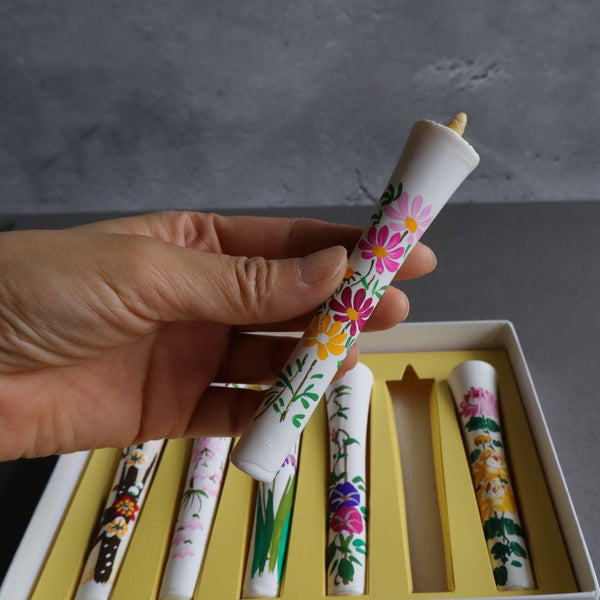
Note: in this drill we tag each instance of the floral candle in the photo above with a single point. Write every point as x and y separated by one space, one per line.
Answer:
268 548
196 512
109 544
474 387
348 403
434 162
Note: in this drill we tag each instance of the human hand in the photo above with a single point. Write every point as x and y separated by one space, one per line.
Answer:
111 333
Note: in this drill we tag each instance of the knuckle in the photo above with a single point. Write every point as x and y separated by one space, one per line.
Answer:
255 279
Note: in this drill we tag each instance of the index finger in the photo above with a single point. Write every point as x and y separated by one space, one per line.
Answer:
269 237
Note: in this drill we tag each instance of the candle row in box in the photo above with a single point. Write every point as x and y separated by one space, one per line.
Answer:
448 560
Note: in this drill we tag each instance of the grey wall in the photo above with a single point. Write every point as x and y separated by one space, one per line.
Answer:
110 106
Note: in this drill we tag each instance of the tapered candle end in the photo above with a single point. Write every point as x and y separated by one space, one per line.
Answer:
459 123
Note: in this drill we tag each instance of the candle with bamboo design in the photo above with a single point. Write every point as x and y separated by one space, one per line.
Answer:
434 162
348 402
119 517
474 388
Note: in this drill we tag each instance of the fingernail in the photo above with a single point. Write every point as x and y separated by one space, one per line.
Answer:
406 308
321 265
433 259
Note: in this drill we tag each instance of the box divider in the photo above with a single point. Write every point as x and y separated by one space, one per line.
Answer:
60 575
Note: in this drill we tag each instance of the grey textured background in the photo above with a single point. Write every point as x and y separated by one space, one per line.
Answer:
133 106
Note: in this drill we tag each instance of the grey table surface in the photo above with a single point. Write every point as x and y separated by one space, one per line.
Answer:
535 264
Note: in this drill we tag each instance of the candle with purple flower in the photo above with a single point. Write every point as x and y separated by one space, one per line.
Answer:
434 162
348 402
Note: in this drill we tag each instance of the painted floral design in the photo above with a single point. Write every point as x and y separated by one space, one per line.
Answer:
384 248
409 216
343 494
136 459
479 413
352 308
126 507
347 518
347 511
134 475
205 475
478 401
197 510
327 335
118 526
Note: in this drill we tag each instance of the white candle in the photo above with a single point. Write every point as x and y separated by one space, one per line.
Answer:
434 162
194 522
348 402
268 548
474 387
121 513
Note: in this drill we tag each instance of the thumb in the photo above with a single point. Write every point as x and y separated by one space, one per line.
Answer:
195 285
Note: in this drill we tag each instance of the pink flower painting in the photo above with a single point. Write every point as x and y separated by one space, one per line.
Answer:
347 518
385 249
414 218
477 402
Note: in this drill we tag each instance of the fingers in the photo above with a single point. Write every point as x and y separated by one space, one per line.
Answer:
268 237
258 359
420 261
223 412
393 308
178 284
227 411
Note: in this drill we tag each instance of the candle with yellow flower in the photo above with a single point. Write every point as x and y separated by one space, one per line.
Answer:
434 162
117 522
474 387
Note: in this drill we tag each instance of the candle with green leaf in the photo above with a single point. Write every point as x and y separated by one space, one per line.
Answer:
474 387
348 402
273 515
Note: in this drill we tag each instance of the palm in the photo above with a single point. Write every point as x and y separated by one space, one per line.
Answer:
146 388
112 333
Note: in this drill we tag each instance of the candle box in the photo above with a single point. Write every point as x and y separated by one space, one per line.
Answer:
451 561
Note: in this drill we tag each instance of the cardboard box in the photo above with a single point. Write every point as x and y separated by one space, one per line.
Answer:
51 554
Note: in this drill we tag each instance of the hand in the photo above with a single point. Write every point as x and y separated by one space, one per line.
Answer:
111 333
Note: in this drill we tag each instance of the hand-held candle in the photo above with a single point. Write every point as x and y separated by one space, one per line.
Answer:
434 162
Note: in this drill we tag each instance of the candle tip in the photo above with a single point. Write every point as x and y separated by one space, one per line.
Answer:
458 123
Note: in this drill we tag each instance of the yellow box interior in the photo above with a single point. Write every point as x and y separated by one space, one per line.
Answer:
469 572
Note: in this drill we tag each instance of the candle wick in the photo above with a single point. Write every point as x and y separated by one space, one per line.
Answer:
458 124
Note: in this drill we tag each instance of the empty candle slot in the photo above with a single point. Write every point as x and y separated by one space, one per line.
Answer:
411 400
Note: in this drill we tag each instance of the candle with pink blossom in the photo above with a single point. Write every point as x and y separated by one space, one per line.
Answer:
196 513
434 162
474 387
